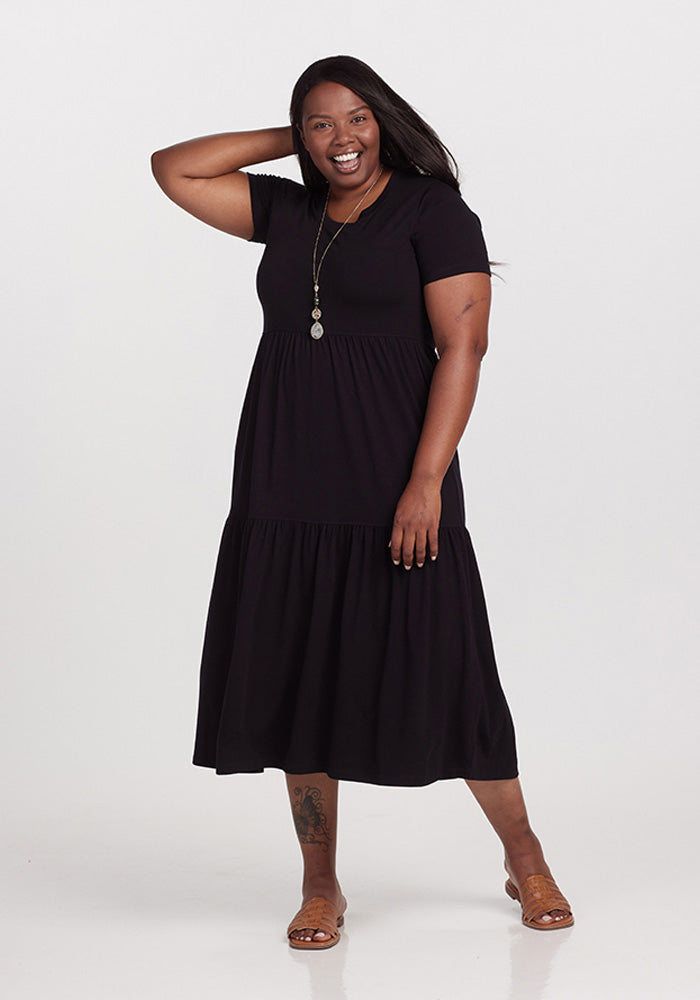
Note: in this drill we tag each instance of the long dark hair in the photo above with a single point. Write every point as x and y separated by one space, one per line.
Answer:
406 141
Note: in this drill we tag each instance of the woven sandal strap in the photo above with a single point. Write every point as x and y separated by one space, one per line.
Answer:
539 894
327 926
317 912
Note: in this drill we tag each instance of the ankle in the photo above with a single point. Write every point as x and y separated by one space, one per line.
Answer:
315 880
524 845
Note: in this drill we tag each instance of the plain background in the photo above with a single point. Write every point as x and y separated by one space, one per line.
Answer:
128 333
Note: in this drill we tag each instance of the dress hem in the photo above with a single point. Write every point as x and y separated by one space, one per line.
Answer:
340 774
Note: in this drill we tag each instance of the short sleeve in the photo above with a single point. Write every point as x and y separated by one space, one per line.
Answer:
268 192
447 235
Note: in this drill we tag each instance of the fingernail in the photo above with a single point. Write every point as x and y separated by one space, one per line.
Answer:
389 545
396 561
419 564
405 566
433 558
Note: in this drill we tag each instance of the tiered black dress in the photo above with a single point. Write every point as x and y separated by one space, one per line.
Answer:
319 653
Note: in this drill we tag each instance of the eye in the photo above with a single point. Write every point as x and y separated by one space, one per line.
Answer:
360 118
319 124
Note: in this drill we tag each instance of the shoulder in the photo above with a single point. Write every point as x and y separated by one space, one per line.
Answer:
421 187
437 198
275 186
273 200
432 201
446 233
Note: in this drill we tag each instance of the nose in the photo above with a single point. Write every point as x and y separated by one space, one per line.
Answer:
344 134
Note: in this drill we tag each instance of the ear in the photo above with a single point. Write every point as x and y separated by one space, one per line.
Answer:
301 133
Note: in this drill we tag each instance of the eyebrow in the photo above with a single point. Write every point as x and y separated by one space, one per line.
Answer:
349 112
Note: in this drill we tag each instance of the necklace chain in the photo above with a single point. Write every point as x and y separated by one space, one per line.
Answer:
317 329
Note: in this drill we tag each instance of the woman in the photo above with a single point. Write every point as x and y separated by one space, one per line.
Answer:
347 635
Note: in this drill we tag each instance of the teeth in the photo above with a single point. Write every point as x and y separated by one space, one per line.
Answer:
345 156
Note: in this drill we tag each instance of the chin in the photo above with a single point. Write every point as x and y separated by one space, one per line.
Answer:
363 173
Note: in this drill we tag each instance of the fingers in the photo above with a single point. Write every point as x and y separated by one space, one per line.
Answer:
421 545
409 546
433 542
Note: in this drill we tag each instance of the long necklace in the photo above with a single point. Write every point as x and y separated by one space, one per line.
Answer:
317 330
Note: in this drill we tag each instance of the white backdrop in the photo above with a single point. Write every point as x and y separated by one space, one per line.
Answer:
129 329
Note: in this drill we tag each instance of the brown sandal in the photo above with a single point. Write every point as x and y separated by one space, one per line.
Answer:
319 913
539 894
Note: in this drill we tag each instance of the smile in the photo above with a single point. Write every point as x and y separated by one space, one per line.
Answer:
347 162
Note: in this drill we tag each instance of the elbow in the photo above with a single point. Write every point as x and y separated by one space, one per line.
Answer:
162 173
466 351
156 162
476 346
159 164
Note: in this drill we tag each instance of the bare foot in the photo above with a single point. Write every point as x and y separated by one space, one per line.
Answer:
329 888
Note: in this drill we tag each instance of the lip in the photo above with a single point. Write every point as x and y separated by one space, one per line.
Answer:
347 167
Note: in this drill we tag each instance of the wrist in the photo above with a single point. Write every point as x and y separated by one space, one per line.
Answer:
427 479
284 138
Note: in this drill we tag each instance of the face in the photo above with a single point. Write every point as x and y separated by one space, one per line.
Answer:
337 122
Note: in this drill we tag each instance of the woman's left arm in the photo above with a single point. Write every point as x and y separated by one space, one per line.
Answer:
458 310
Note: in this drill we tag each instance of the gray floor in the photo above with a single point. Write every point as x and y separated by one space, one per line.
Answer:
185 883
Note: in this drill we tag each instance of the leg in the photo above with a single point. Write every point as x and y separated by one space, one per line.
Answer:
314 801
504 806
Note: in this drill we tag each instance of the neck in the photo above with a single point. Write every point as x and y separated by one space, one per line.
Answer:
342 192
342 201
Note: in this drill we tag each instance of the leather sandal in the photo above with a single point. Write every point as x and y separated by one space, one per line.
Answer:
538 895
317 913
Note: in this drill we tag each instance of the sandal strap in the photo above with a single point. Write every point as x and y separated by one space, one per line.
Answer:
540 894
318 913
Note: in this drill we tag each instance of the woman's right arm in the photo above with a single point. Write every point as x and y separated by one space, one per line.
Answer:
204 175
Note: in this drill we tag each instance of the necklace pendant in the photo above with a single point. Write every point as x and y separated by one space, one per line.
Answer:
316 330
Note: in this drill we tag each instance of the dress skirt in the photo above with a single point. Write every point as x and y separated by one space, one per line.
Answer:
320 654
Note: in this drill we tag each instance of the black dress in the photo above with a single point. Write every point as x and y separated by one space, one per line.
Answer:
319 653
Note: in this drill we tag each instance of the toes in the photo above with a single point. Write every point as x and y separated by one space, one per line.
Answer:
308 934
552 917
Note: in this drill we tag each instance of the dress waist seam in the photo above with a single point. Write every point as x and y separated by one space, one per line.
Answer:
365 336
329 524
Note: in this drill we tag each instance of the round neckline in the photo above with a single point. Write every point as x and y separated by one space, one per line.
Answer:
376 201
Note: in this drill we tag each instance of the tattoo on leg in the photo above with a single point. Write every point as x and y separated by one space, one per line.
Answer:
309 819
